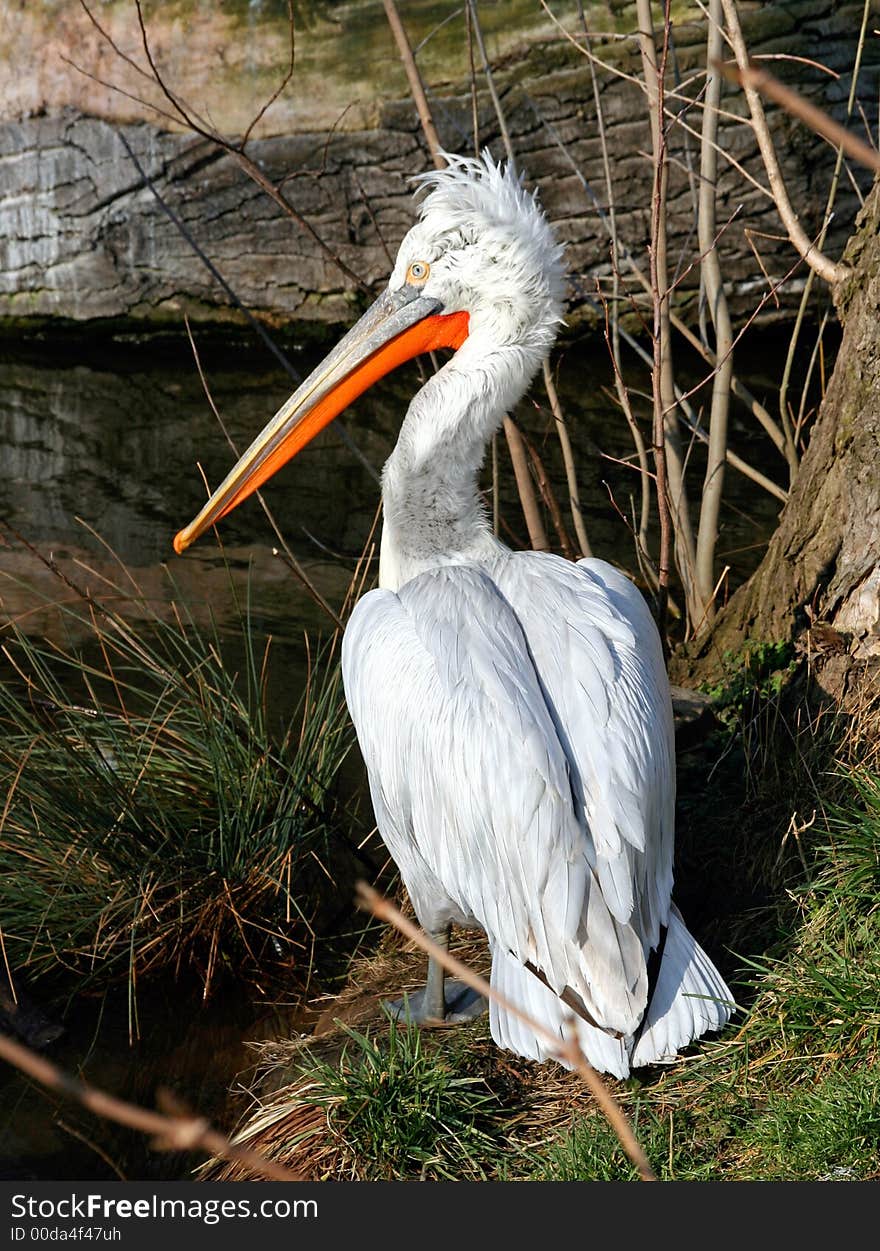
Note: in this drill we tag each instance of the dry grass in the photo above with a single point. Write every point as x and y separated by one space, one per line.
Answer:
158 819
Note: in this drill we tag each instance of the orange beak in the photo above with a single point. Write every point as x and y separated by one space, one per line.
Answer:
400 325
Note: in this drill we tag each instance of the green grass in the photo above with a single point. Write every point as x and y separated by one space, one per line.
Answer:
807 1133
157 821
795 1093
398 1105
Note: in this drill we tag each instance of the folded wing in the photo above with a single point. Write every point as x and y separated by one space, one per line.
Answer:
486 747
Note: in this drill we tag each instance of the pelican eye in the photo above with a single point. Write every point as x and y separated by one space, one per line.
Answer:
418 272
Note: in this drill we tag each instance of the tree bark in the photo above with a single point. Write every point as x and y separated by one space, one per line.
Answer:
822 567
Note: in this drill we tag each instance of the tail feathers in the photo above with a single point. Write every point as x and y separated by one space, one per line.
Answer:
521 987
690 998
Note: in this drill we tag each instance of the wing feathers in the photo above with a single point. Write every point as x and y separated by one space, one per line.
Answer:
509 727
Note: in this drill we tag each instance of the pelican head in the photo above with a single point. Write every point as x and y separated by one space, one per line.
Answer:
481 267
483 247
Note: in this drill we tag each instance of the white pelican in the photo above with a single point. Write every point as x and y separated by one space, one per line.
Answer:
512 708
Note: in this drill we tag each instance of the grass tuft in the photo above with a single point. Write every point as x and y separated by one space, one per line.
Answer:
398 1107
156 820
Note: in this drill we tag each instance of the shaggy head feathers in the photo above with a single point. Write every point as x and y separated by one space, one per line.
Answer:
491 251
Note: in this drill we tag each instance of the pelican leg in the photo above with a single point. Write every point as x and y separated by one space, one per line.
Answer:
441 999
434 998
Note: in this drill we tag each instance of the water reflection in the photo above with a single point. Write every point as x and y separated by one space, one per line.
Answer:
103 458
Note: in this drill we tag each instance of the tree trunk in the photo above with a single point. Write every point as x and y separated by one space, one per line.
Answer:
821 572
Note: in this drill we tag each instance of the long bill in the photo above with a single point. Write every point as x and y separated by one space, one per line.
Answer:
400 325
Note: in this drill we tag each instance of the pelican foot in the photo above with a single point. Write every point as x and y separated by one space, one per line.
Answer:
461 1002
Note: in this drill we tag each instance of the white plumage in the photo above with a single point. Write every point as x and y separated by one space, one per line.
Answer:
512 709
516 724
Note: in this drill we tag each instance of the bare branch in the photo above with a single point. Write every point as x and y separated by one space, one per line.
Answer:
710 502
689 420
188 117
792 435
819 121
826 268
254 322
291 65
669 462
577 515
106 36
613 339
549 497
678 118
291 561
516 446
490 81
416 85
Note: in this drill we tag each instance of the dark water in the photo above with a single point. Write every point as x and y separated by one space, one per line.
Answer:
111 441
113 436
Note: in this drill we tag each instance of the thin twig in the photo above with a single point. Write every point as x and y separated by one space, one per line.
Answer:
831 271
93 1146
710 500
750 76
577 515
291 561
490 82
537 534
183 113
688 419
815 355
668 463
525 489
291 65
254 322
643 556
549 497
618 247
416 85
668 113
808 285
170 1133
566 1048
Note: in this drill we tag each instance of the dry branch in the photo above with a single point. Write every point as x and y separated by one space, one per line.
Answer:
713 283
831 271
290 560
490 81
793 434
672 508
818 120
183 1132
525 488
518 456
416 85
566 1049
181 112
577 515
548 495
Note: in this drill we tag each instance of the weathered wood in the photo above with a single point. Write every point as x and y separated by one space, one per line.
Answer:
82 238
